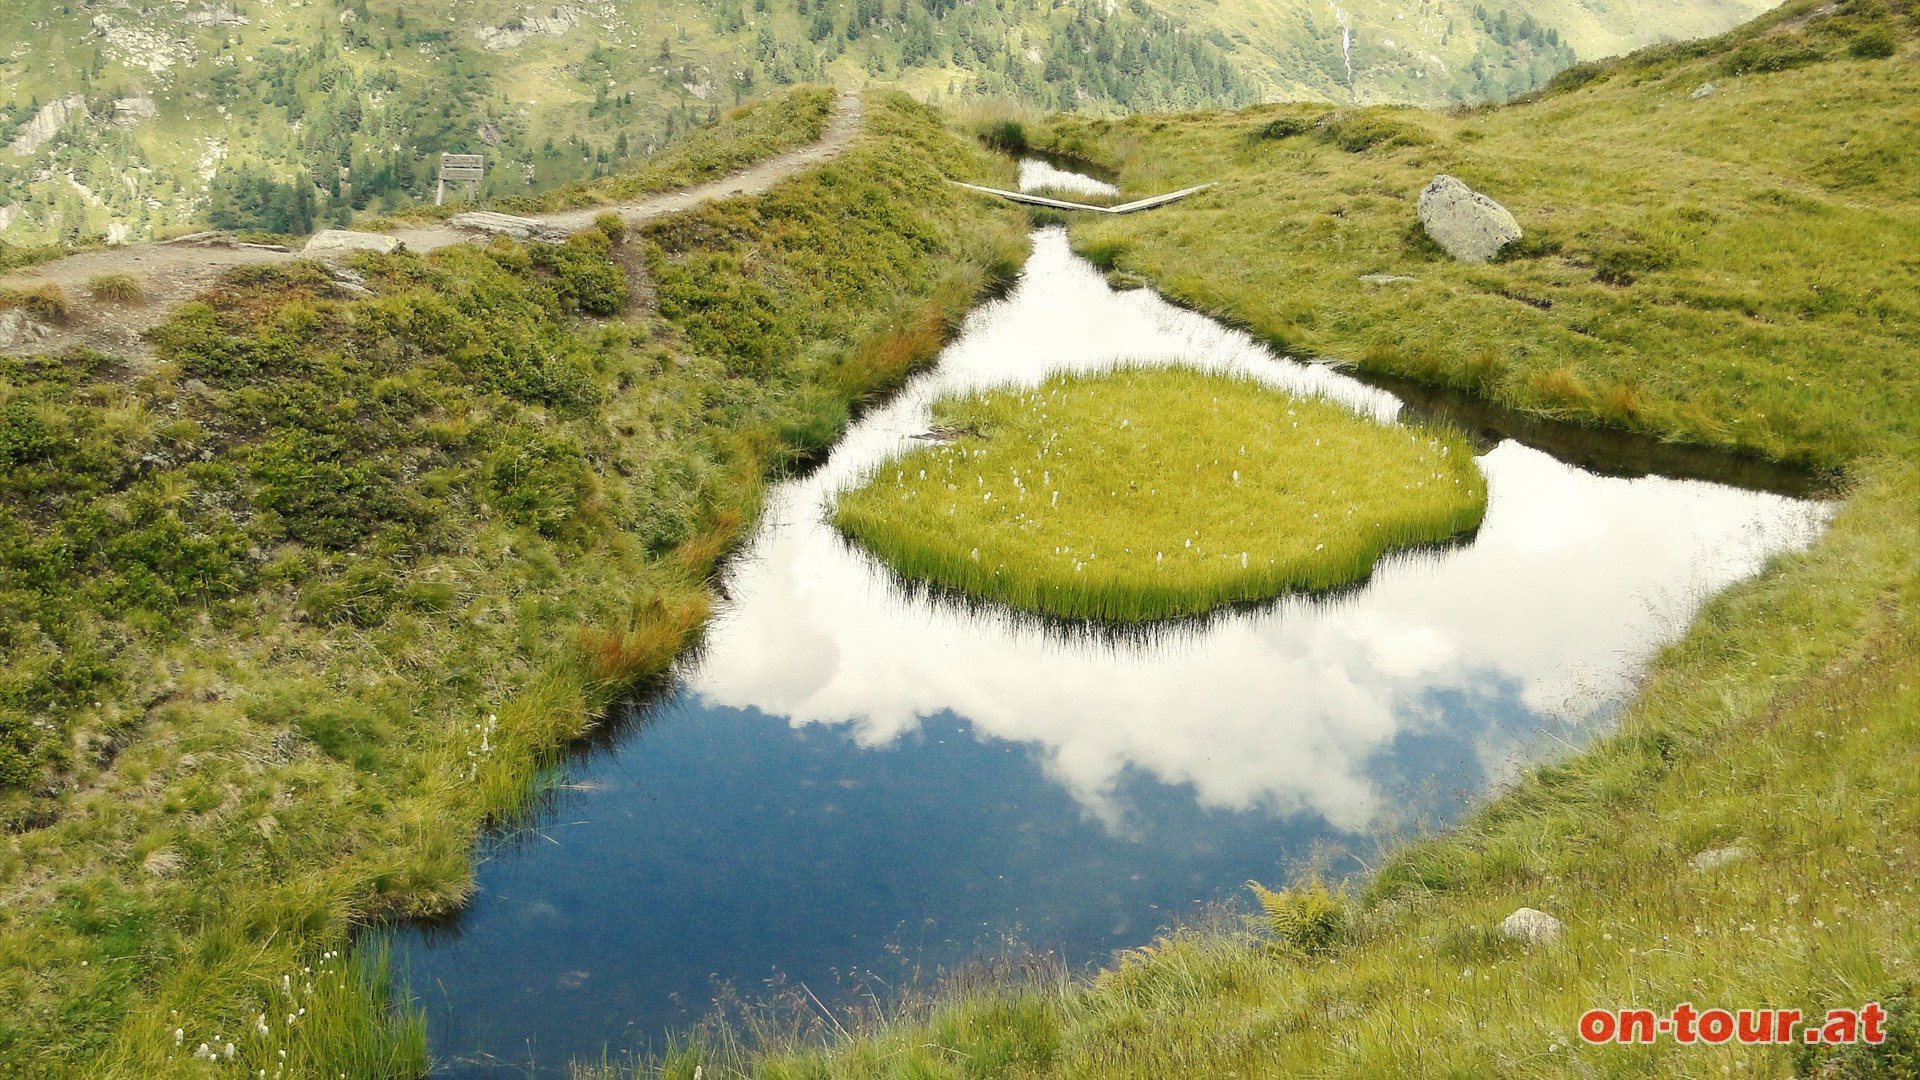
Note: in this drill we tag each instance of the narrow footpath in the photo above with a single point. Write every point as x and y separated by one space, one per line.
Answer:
174 272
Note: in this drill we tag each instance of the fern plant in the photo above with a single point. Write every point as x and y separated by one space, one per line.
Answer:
1308 919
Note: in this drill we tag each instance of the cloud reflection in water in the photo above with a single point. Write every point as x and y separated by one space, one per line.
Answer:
1571 581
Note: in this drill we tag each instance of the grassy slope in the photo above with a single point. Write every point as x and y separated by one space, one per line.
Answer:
1722 271
1121 496
741 137
1782 726
292 616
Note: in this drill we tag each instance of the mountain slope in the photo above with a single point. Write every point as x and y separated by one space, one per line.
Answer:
1428 52
124 121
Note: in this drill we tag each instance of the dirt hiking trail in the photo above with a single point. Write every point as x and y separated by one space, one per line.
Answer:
174 272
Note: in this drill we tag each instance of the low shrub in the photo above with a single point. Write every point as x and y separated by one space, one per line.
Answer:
1895 1057
1774 52
1009 136
539 480
612 226
1873 43
1362 130
1284 127
1581 74
583 274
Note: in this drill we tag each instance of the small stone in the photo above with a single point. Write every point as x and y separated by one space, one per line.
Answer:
1384 279
1528 924
1704 90
1471 227
345 240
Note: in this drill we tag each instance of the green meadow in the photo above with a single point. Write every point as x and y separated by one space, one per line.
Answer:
1151 493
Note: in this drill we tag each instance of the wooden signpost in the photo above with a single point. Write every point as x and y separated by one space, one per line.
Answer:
460 168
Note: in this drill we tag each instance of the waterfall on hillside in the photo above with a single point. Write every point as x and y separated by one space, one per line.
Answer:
1346 48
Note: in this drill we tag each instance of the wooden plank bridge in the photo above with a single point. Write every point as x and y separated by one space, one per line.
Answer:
1062 204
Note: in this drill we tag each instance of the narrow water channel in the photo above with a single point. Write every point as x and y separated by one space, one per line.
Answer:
852 778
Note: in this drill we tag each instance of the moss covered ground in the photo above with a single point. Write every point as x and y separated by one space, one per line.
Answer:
1152 493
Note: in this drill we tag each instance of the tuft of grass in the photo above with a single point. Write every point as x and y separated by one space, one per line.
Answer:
45 301
620 656
1153 493
116 289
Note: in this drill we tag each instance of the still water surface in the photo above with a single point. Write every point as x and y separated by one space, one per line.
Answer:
851 777
1037 174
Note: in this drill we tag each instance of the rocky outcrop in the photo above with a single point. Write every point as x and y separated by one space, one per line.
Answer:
518 228
141 47
343 240
128 111
518 32
217 15
17 328
51 120
1704 90
1468 225
1529 924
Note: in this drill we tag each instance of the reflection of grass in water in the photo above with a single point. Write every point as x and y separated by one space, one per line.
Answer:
1143 639
1156 493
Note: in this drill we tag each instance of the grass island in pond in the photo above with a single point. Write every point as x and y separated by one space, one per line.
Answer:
1153 493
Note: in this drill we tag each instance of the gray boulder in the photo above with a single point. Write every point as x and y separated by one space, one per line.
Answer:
1528 924
17 328
1704 90
518 228
344 240
1471 227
